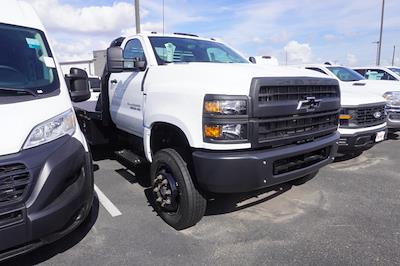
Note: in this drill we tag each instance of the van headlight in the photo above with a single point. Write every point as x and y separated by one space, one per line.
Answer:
392 98
52 129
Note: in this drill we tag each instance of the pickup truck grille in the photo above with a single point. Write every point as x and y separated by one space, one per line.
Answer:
14 182
296 128
365 116
293 110
286 93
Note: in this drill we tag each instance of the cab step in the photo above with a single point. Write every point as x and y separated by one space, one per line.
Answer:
128 156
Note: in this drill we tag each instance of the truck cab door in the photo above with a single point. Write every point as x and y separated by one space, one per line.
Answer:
126 95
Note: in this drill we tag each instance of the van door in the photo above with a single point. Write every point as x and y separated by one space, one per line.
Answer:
126 95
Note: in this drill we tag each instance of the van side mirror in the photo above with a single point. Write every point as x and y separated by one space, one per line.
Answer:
252 59
78 84
116 62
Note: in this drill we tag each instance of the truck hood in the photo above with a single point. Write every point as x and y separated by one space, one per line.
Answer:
353 96
219 78
18 119
377 87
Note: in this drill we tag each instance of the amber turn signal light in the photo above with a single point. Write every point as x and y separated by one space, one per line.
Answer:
212 131
345 117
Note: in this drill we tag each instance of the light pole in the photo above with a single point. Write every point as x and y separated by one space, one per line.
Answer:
378 61
394 54
137 16
377 52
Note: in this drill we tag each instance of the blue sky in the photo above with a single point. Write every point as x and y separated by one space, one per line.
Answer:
305 30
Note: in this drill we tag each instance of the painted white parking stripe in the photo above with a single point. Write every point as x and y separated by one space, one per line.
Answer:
107 204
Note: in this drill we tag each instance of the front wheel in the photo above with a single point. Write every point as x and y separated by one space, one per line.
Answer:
176 199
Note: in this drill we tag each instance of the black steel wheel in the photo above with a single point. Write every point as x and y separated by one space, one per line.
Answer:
176 199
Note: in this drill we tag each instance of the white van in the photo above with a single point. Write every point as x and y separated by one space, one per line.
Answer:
46 176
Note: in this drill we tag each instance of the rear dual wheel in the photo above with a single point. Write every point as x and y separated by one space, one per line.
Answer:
176 199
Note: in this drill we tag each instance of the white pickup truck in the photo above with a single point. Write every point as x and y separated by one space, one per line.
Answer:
210 121
363 115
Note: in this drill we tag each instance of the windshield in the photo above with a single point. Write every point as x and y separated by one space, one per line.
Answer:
395 70
26 64
345 74
181 50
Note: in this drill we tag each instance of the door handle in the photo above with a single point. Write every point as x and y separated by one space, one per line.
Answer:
114 81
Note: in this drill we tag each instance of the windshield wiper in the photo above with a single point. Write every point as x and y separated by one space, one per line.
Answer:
17 91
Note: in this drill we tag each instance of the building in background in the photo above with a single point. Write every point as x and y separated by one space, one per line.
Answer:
94 67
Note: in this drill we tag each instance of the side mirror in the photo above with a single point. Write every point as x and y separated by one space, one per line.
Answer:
78 85
116 62
252 59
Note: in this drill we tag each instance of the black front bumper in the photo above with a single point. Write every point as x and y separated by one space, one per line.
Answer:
58 198
358 142
234 172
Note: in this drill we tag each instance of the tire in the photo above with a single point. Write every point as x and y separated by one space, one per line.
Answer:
191 205
302 180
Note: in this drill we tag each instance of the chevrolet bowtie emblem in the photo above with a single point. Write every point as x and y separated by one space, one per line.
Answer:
309 104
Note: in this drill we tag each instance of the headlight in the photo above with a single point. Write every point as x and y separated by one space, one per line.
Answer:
392 98
227 132
54 128
346 116
225 107
225 119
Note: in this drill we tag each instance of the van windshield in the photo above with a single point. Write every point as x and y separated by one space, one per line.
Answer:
345 74
26 63
184 50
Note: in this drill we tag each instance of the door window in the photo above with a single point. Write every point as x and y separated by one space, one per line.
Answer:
134 50
378 74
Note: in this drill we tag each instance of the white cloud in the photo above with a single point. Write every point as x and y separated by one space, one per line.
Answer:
351 59
329 37
298 52
92 19
76 31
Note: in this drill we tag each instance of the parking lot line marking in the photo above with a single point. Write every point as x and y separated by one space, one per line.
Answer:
107 204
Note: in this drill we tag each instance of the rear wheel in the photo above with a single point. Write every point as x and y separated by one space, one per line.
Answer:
176 199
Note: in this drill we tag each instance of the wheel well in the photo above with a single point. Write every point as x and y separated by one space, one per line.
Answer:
164 135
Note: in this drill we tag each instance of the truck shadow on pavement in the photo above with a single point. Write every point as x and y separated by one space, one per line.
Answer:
222 204
46 252
393 136
217 203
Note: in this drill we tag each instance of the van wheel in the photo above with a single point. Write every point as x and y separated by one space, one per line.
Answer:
176 199
304 179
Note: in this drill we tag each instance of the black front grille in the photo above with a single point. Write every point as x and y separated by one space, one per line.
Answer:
287 93
14 182
296 128
290 164
365 116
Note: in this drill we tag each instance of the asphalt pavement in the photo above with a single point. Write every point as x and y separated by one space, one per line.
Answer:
348 214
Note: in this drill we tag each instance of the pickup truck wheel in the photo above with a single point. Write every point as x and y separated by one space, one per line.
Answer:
176 199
